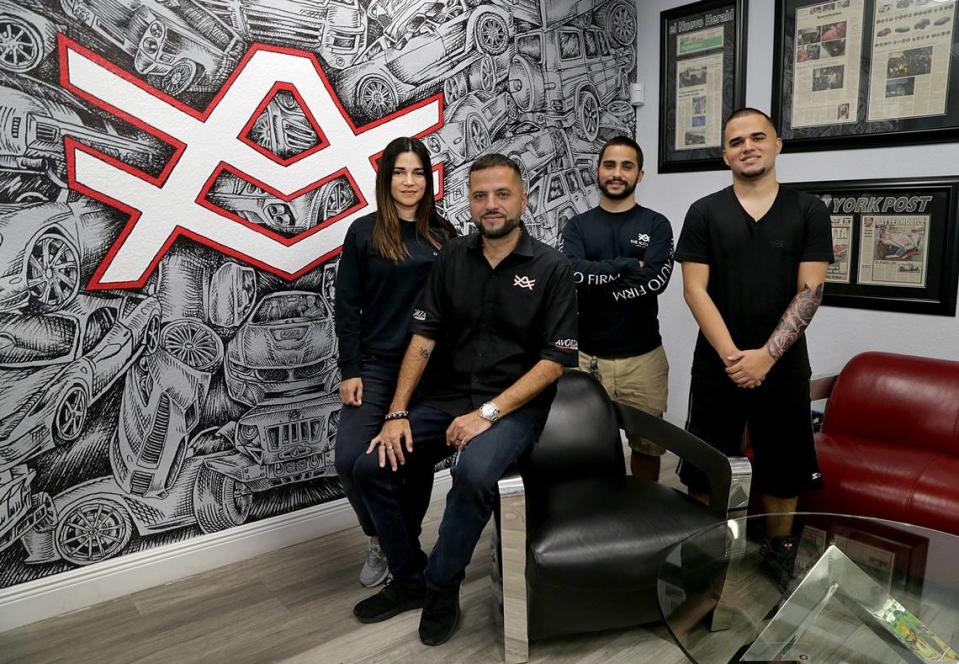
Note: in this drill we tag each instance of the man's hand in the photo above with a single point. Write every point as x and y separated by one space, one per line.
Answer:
351 391
748 368
465 428
389 443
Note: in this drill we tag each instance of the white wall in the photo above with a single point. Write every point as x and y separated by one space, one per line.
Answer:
836 334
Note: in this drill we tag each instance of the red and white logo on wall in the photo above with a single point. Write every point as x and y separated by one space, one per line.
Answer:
208 143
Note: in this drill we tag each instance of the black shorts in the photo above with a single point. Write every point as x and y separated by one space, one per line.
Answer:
780 432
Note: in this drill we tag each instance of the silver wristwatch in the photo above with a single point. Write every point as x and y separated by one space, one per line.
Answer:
489 411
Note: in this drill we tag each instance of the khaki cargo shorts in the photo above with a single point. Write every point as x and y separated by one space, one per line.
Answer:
641 381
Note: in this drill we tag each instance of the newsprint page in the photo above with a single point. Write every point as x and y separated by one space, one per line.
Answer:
828 49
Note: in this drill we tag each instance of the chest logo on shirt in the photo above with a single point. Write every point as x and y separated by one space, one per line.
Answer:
642 240
523 282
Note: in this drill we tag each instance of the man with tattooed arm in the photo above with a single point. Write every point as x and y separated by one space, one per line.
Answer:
754 259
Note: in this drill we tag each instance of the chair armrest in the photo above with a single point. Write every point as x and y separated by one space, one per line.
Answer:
729 477
820 387
512 500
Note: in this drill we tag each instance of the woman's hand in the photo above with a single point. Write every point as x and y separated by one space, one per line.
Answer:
351 391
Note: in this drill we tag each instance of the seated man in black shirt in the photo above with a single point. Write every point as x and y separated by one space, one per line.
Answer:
754 261
504 305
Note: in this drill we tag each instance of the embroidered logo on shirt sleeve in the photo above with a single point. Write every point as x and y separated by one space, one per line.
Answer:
419 314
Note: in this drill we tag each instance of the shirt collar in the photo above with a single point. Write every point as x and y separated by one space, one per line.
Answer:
523 248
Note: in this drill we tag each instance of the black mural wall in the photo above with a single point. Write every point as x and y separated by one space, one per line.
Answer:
176 178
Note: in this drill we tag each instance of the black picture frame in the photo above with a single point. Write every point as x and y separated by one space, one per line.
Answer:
878 29
908 552
698 17
901 566
921 253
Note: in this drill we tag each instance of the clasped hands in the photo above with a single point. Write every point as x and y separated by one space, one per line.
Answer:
748 368
396 436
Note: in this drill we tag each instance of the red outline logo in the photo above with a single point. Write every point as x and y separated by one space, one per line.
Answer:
208 143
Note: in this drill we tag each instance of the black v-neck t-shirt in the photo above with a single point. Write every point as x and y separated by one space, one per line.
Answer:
753 269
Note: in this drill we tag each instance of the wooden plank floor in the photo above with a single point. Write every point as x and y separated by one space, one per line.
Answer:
294 606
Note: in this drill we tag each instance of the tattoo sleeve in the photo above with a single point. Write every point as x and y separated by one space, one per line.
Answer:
795 320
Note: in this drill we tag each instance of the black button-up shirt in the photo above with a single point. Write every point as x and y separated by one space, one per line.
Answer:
496 323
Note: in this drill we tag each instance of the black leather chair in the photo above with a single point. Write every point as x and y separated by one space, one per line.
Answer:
581 542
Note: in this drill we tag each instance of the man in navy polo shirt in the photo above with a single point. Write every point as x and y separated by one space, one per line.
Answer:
754 261
503 305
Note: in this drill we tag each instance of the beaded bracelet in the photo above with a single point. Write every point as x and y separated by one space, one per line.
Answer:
397 415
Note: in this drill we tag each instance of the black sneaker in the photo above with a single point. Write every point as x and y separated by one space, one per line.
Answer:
395 597
777 558
441 617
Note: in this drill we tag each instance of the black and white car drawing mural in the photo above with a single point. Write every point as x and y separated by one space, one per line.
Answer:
427 46
27 35
286 347
162 400
20 510
283 127
471 124
48 249
566 74
207 398
94 521
54 366
35 117
176 45
281 442
336 29
288 218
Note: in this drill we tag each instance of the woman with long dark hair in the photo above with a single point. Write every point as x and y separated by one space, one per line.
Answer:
386 258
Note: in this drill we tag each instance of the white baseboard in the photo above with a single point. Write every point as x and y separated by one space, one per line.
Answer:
79 588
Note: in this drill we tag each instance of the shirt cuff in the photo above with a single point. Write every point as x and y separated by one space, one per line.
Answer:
349 370
686 257
565 357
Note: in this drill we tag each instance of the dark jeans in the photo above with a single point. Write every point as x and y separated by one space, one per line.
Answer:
397 500
358 426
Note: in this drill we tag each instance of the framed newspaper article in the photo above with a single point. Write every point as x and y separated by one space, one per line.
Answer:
895 243
702 80
895 557
865 73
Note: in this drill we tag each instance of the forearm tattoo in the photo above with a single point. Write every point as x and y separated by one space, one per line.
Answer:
424 352
795 320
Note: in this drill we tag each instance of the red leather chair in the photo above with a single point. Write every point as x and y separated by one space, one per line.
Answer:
889 446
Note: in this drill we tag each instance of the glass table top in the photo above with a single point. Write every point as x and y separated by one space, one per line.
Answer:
861 590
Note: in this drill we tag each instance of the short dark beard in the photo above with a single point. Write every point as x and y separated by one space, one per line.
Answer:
505 230
626 193
754 176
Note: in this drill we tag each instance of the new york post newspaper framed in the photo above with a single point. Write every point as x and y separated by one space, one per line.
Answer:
895 243
702 80
865 73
